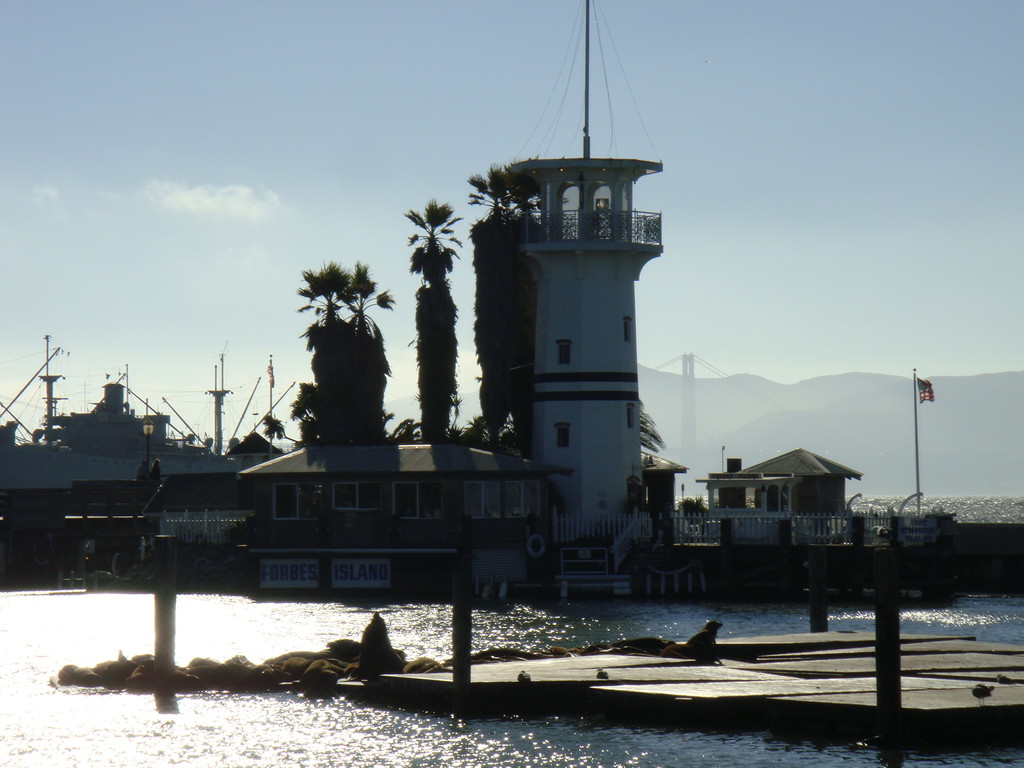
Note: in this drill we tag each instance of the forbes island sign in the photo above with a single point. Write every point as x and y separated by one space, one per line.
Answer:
290 573
361 573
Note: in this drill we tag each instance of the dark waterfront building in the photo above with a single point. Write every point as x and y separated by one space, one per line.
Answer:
369 518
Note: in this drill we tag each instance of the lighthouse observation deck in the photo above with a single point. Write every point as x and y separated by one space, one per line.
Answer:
629 227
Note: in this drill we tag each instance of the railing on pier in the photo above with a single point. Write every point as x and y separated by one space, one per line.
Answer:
807 529
623 531
634 227
201 527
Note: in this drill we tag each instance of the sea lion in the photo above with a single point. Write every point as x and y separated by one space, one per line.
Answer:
701 647
644 645
344 649
376 655
320 680
72 674
147 679
422 664
113 673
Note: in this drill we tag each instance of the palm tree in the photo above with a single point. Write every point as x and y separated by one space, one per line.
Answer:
304 411
436 343
505 296
369 363
349 364
650 438
273 428
326 292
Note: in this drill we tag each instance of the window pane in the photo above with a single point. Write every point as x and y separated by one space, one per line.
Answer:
492 498
514 499
405 500
562 435
345 496
285 506
430 500
564 351
369 495
474 498
309 500
531 497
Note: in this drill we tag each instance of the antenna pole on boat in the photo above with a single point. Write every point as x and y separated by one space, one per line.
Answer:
51 401
245 410
586 87
218 409
175 412
7 408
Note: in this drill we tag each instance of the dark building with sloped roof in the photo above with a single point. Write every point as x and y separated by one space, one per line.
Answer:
372 518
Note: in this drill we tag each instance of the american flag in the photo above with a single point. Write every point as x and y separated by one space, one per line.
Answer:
270 372
925 391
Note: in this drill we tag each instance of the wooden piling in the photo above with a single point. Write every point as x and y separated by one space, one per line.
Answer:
726 555
462 621
887 646
855 557
788 583
817 579
165 593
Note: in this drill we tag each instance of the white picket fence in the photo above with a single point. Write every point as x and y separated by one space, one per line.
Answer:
215 527
624 531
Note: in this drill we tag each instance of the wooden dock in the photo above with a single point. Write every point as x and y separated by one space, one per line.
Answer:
821 683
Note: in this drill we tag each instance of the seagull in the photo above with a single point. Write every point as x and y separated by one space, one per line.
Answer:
602 674
525 678
982 692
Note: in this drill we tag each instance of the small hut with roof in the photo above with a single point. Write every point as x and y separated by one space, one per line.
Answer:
795 482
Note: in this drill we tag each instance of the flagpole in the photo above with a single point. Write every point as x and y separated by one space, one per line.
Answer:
270 412
917 452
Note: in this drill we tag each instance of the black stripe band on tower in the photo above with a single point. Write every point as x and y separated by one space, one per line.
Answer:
585 376
580 395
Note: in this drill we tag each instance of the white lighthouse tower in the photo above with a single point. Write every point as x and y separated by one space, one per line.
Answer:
586 246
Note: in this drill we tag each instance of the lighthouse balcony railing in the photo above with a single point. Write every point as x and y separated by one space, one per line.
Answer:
631 227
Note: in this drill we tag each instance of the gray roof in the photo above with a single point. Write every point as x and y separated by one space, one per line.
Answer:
390 459
653 463
803 463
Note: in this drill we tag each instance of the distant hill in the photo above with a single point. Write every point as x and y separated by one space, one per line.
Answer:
971 437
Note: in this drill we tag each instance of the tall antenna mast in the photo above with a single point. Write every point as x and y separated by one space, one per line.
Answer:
586 88
50 399
218 408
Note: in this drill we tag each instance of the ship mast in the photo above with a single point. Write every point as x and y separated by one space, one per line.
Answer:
50 399
218 407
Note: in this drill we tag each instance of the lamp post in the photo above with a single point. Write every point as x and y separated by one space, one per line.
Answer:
147 430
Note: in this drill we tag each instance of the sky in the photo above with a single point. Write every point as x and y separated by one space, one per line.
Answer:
841 187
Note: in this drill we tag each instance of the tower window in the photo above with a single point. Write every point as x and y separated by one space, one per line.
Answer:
630 415
627 328
562 434
564 351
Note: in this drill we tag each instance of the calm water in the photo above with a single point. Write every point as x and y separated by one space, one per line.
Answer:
44 728
968 509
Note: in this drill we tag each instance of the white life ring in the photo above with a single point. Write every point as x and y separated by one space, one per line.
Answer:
535 545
